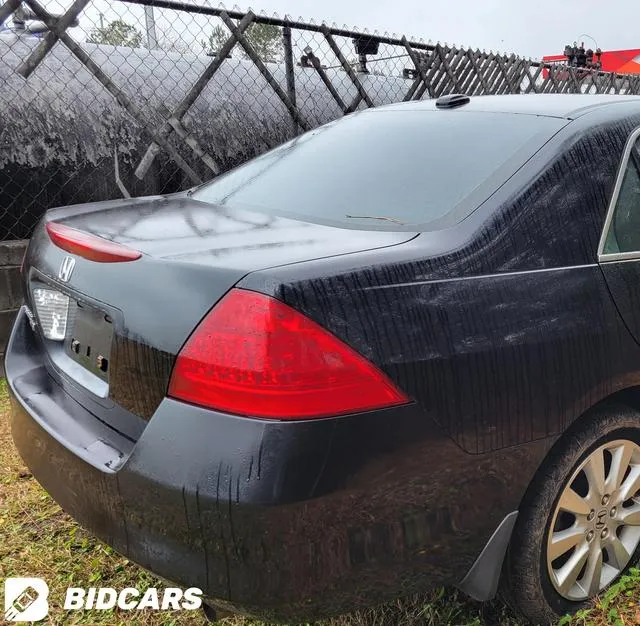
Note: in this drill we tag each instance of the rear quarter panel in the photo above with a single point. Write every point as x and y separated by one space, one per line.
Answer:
502 329
496 361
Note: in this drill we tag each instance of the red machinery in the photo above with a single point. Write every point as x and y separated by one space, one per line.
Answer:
618 61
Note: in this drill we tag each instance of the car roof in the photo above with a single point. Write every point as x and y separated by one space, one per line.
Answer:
565 106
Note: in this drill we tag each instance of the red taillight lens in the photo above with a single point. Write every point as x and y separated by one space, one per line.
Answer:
89 246
253 355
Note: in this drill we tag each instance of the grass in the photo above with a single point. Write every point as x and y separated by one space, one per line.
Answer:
38 539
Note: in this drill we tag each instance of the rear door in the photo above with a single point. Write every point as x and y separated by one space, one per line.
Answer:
619 250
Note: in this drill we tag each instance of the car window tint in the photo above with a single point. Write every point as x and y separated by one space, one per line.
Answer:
624 231
390 167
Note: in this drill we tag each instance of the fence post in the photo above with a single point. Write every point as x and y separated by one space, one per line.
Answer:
289 69
58 28
7 9
315 62
154 149
363 95
150 26
262 68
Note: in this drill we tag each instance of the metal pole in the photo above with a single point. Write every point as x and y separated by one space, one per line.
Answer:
150 23
262 68
289 69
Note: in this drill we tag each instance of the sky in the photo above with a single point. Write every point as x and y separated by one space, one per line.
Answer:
527 28
531 29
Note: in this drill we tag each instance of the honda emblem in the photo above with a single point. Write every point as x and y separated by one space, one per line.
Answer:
66 269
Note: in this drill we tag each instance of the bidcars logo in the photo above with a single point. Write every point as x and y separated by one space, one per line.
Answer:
25 599
129 599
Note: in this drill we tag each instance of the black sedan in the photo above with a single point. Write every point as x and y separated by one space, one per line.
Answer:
400 350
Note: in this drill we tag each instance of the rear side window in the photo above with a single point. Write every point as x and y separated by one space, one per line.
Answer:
623 234
387 168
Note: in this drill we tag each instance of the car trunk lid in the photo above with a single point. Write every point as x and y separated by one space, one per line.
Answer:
126 321
179 229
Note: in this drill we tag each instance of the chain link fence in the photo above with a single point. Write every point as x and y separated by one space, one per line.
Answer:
102 100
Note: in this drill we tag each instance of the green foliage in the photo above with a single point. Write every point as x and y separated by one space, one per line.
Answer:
621 586
265 39
216 40
116 33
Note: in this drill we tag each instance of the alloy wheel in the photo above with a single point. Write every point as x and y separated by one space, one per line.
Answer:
595 528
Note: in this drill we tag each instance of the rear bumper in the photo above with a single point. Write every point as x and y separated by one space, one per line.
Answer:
279 520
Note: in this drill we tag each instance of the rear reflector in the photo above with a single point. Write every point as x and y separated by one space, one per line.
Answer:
89 246
255 356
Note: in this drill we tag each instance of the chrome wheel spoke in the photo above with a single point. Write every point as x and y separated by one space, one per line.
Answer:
631 515
592 574
630 485
571 502
620 459
618 554
567 575
564 540
594 471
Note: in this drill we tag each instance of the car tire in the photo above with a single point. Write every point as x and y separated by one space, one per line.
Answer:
537 576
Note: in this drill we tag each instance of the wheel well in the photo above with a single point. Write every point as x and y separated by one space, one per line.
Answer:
482 579
629 397
525 577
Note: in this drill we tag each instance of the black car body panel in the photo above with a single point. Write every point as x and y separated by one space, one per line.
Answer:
503 329
193 254
570 351
282 520
449 301
622 279
179 228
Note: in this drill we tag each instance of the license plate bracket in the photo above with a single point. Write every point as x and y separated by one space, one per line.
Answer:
89 342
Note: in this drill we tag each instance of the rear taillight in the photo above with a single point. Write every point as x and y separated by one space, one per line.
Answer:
89 246
253 355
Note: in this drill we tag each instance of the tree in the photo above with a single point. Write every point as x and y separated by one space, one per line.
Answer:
216 40
171 43
266 40
116 33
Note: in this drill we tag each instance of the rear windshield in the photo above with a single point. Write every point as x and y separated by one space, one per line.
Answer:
388 168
